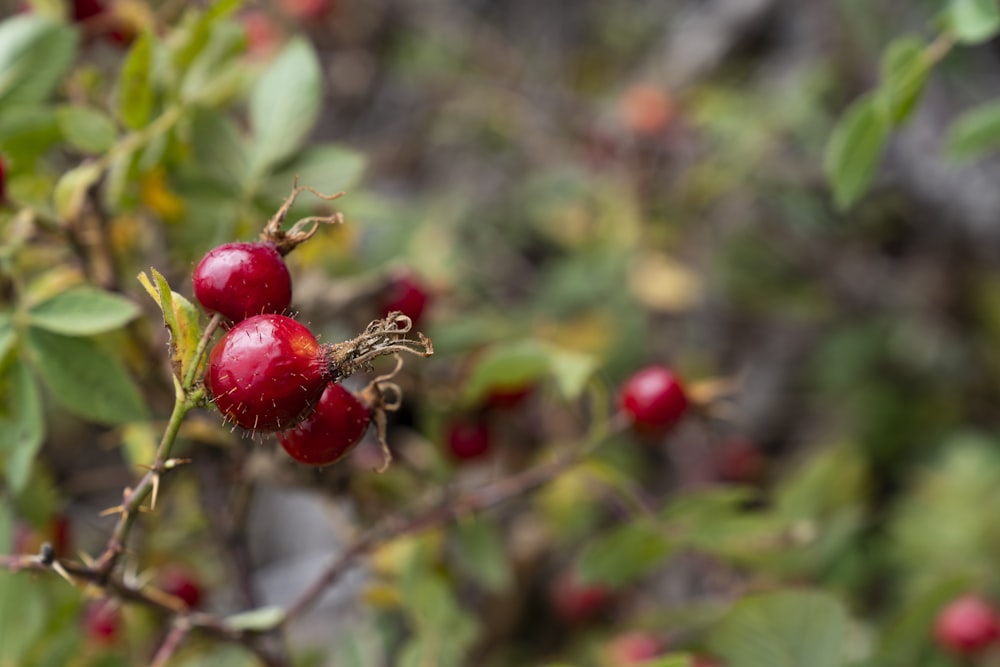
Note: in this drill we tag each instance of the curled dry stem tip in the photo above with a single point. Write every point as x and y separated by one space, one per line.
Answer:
302 230
380 338
382 395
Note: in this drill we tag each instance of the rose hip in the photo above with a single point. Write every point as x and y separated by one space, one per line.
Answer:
243 279
330 431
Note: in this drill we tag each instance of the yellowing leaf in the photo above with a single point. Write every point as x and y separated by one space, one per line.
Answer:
157 196
663 284
181 318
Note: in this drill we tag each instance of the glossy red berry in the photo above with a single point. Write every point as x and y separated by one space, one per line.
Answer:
330 431
266 373
633 648
407 295
967 625
468 439
102 621
576 602
243 279
653 399
181 584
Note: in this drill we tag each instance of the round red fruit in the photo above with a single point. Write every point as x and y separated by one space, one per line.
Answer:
266 373
407 295
740 461
330 431
307 10
243 279
633 648
102 621
468 439
967 625
653 399
181 584
576 602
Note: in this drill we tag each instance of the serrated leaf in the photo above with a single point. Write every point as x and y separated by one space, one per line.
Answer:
480 551
35 54
507 365
83 311
7 334
975 132
135 85
785 629
86 129
624 554
284 105
973 21
84 378
326 167
854 150
905 67
181 317
21 425
71 189
259 620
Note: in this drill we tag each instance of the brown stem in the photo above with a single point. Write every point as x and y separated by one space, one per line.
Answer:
170 644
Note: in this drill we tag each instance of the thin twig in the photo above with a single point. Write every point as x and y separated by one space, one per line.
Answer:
170 644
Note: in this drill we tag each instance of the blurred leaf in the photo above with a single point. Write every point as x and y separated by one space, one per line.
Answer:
669 661
663 284
7 334
86 129
507 365
85 379
854 150
181 317
327 167
219 148
444 631
71 190
139 443
27 132
83 311
905 67
260 619
572 371
35 53
21 425
216 655
975 132
6 528
624 554
973 21
284 105
903 641
216 74
784 629
135 83
23 611
480 551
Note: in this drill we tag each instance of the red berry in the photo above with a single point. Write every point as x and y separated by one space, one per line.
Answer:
266 372
633 648
739 461
967 625
468 439
576 602
243 279
307 10
183 585
653 399
102 621
330 431
86 9
407 295
509 396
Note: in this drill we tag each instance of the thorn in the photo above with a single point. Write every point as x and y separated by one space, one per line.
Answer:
156 491
170 464
61 571
117 509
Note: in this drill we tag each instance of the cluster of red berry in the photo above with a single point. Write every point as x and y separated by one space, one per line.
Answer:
268 373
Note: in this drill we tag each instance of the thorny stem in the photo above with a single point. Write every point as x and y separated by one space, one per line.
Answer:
187 396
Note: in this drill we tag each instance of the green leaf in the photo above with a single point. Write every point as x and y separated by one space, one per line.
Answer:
27 132
85 379
682 660
135 84
480 551
785 629
507 365
86 129
975 132
572 371
326 167
71 189
260 619
21 425
83 311
217 73
7 334
973 21
905 67
35 54
855 148
624 554
219 148
285 104
181 317
23 614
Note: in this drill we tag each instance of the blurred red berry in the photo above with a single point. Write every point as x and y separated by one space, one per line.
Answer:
967 625
407 295
86 9
646 109
307 10
263 37
739 461
507 397
102 621
633 648
468 439
653 399
576 602
181 584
